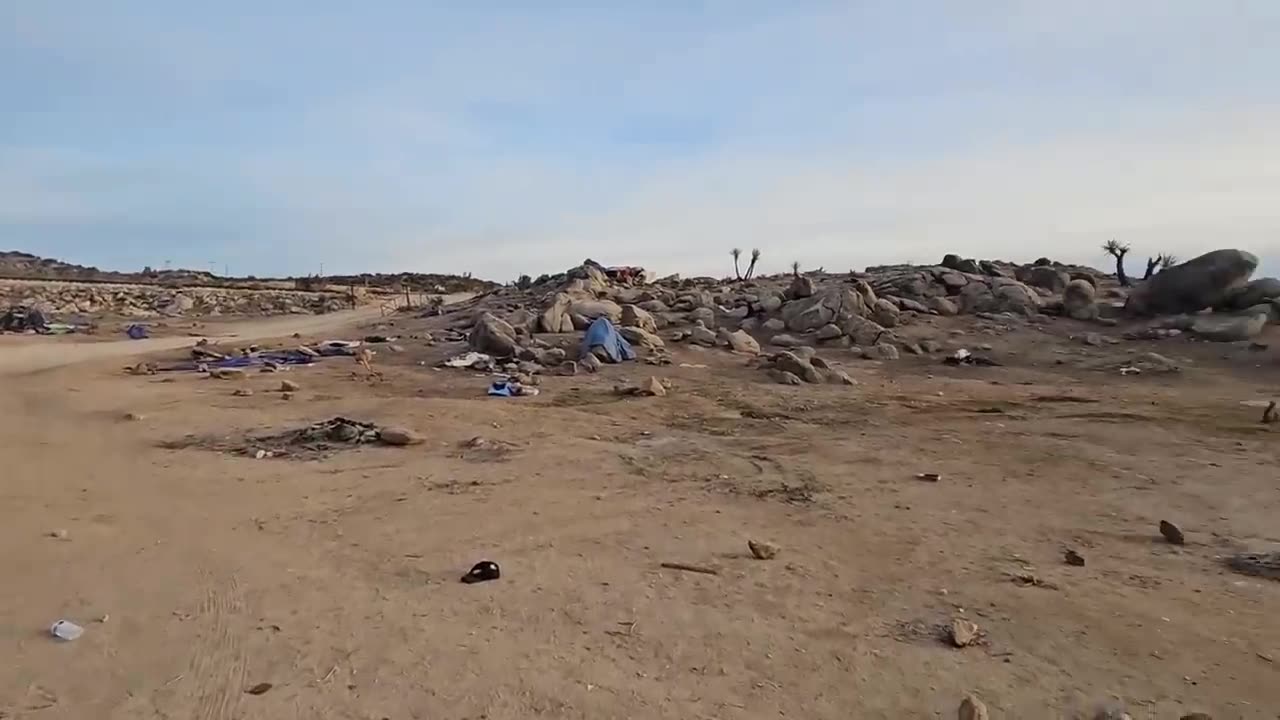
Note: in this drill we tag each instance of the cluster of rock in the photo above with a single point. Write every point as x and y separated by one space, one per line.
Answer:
68 300
860 311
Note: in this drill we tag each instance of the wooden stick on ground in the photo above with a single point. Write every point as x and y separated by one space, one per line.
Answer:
690 568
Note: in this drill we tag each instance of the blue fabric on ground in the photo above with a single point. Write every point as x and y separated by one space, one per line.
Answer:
501 389
137 332
602 333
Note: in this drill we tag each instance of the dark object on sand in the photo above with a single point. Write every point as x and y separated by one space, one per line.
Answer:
482 571
1172 533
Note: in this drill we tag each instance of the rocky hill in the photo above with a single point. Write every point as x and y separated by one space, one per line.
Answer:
16 265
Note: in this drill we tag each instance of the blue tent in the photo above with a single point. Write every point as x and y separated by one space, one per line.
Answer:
602 333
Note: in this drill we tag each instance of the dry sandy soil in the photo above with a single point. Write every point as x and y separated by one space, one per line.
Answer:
200 574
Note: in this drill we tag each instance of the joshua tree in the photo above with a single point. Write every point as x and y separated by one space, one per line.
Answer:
736 253
755 257
1164 261
795 268
1118 250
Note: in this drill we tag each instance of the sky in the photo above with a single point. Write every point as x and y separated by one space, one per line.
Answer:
502 137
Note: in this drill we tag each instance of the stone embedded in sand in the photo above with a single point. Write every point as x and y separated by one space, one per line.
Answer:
1196 716
782 377
227 373
971 708
589 363
1172 533
702 336
398 436
963 632
841 377
289 386
741 342
1078 300
242 392
1230 328
763 550
941 306
885 351
791 363
134 417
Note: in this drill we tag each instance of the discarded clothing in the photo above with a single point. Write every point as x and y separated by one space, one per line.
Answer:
137 332
602 334
482 571
338 347
509 388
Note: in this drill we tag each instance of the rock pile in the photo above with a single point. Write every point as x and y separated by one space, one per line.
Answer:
59 299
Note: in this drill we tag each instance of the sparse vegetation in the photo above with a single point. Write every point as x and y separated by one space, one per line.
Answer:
795 268
755 257
1163 261
1118 250
736 253
524 282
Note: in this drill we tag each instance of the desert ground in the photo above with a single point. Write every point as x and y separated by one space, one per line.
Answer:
200 573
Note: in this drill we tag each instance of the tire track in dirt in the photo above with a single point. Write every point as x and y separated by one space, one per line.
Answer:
217 667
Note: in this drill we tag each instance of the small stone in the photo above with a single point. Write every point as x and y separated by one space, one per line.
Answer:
763 550
260 454
1172 533
289 386
589 363
134 417
1071 557
342 432
971 708
59 534
653 387
1197 716
568 368
242 392
841 377
286 396
398 436
963 632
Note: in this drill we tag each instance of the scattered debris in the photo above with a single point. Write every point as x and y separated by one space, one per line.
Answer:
929 476
653 387
66 630
964 358
1172 533
511 388
690 568
1026 578
1071 557
259 689
242 392
1264 564
134 417
964 632
483 571
763 550
472 361
59 534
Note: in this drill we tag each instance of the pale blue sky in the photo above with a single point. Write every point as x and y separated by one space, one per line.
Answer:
522 137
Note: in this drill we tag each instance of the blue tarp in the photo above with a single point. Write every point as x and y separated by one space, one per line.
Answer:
137 332
602 333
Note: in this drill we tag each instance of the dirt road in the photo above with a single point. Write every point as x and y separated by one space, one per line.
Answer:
29 354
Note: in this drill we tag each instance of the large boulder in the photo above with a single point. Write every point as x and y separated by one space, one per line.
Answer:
591 309
555 319
1013 296
1229 328
1078 300
885 313
833 305
641 338
633 316
862 331
494 336
1201 282
941 306
1255 293
1049 278
801 287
